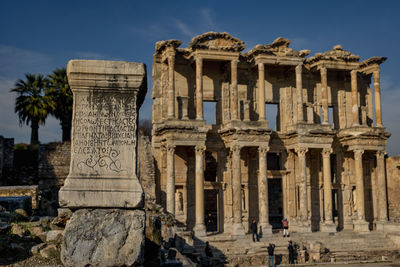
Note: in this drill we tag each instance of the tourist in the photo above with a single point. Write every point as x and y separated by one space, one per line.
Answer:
208 251
285 224
254 229
291 252
271 248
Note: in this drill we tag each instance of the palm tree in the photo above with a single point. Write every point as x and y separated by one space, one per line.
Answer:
31 105
61 95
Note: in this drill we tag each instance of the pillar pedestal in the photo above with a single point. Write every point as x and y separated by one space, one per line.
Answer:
328 227
237 229
360 226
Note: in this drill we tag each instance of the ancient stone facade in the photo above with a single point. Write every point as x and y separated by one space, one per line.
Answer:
322 166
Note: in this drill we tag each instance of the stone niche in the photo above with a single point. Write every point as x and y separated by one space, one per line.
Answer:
107 96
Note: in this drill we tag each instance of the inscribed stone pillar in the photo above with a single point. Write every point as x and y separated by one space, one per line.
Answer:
234 90
328 225
261 92
199 88
263 191
324 96
380 162
200 229
107 96
354 98
237 228
378 107
171 178
171 86
299 89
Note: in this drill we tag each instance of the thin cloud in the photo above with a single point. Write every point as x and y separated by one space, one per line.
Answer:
206 15
184 29
15 60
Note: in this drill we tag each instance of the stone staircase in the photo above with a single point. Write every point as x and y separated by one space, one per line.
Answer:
321 247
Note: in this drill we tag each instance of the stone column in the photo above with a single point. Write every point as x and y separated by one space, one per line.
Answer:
261 92
237 228
234 90
324 96
378 107
354 98
360 225
299 89
199 228
171 86
199 88
171 179
303 177
380 165
263 212
328 225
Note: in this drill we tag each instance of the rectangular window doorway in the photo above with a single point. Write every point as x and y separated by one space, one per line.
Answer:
211 210
210 109
272 115
275 202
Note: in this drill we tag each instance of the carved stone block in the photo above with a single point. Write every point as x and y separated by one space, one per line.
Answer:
107 96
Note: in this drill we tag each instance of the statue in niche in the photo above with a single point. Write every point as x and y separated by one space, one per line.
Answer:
179 202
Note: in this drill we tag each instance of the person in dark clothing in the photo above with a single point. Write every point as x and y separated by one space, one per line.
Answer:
271 249
208 251
254 230
291 252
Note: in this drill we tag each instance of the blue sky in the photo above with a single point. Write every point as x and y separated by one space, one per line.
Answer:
39 36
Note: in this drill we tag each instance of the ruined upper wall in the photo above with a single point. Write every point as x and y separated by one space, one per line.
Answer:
393 187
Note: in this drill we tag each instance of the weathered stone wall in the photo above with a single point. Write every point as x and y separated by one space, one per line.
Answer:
14 191
53 168
54 159
146 170
6 158
393 187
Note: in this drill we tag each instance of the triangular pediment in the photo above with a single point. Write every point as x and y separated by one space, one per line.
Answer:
217 41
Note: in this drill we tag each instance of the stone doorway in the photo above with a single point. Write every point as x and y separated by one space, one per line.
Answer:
211 210
275 202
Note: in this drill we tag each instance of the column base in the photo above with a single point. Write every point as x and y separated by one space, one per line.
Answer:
237 229
348 225
266 228
199 230
328 227
380 225
361 226
303 227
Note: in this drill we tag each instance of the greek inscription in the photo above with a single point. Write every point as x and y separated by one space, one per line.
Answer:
105 124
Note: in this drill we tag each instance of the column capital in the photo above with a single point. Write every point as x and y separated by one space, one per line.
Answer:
323 70
358 153
299 68
200 149
380 154
236 148
171 59
170 148
326 152
261 66
263 150
353 72
234 61
301 151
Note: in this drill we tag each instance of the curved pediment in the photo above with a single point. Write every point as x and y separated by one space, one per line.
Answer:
279 47
217 41
336 54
